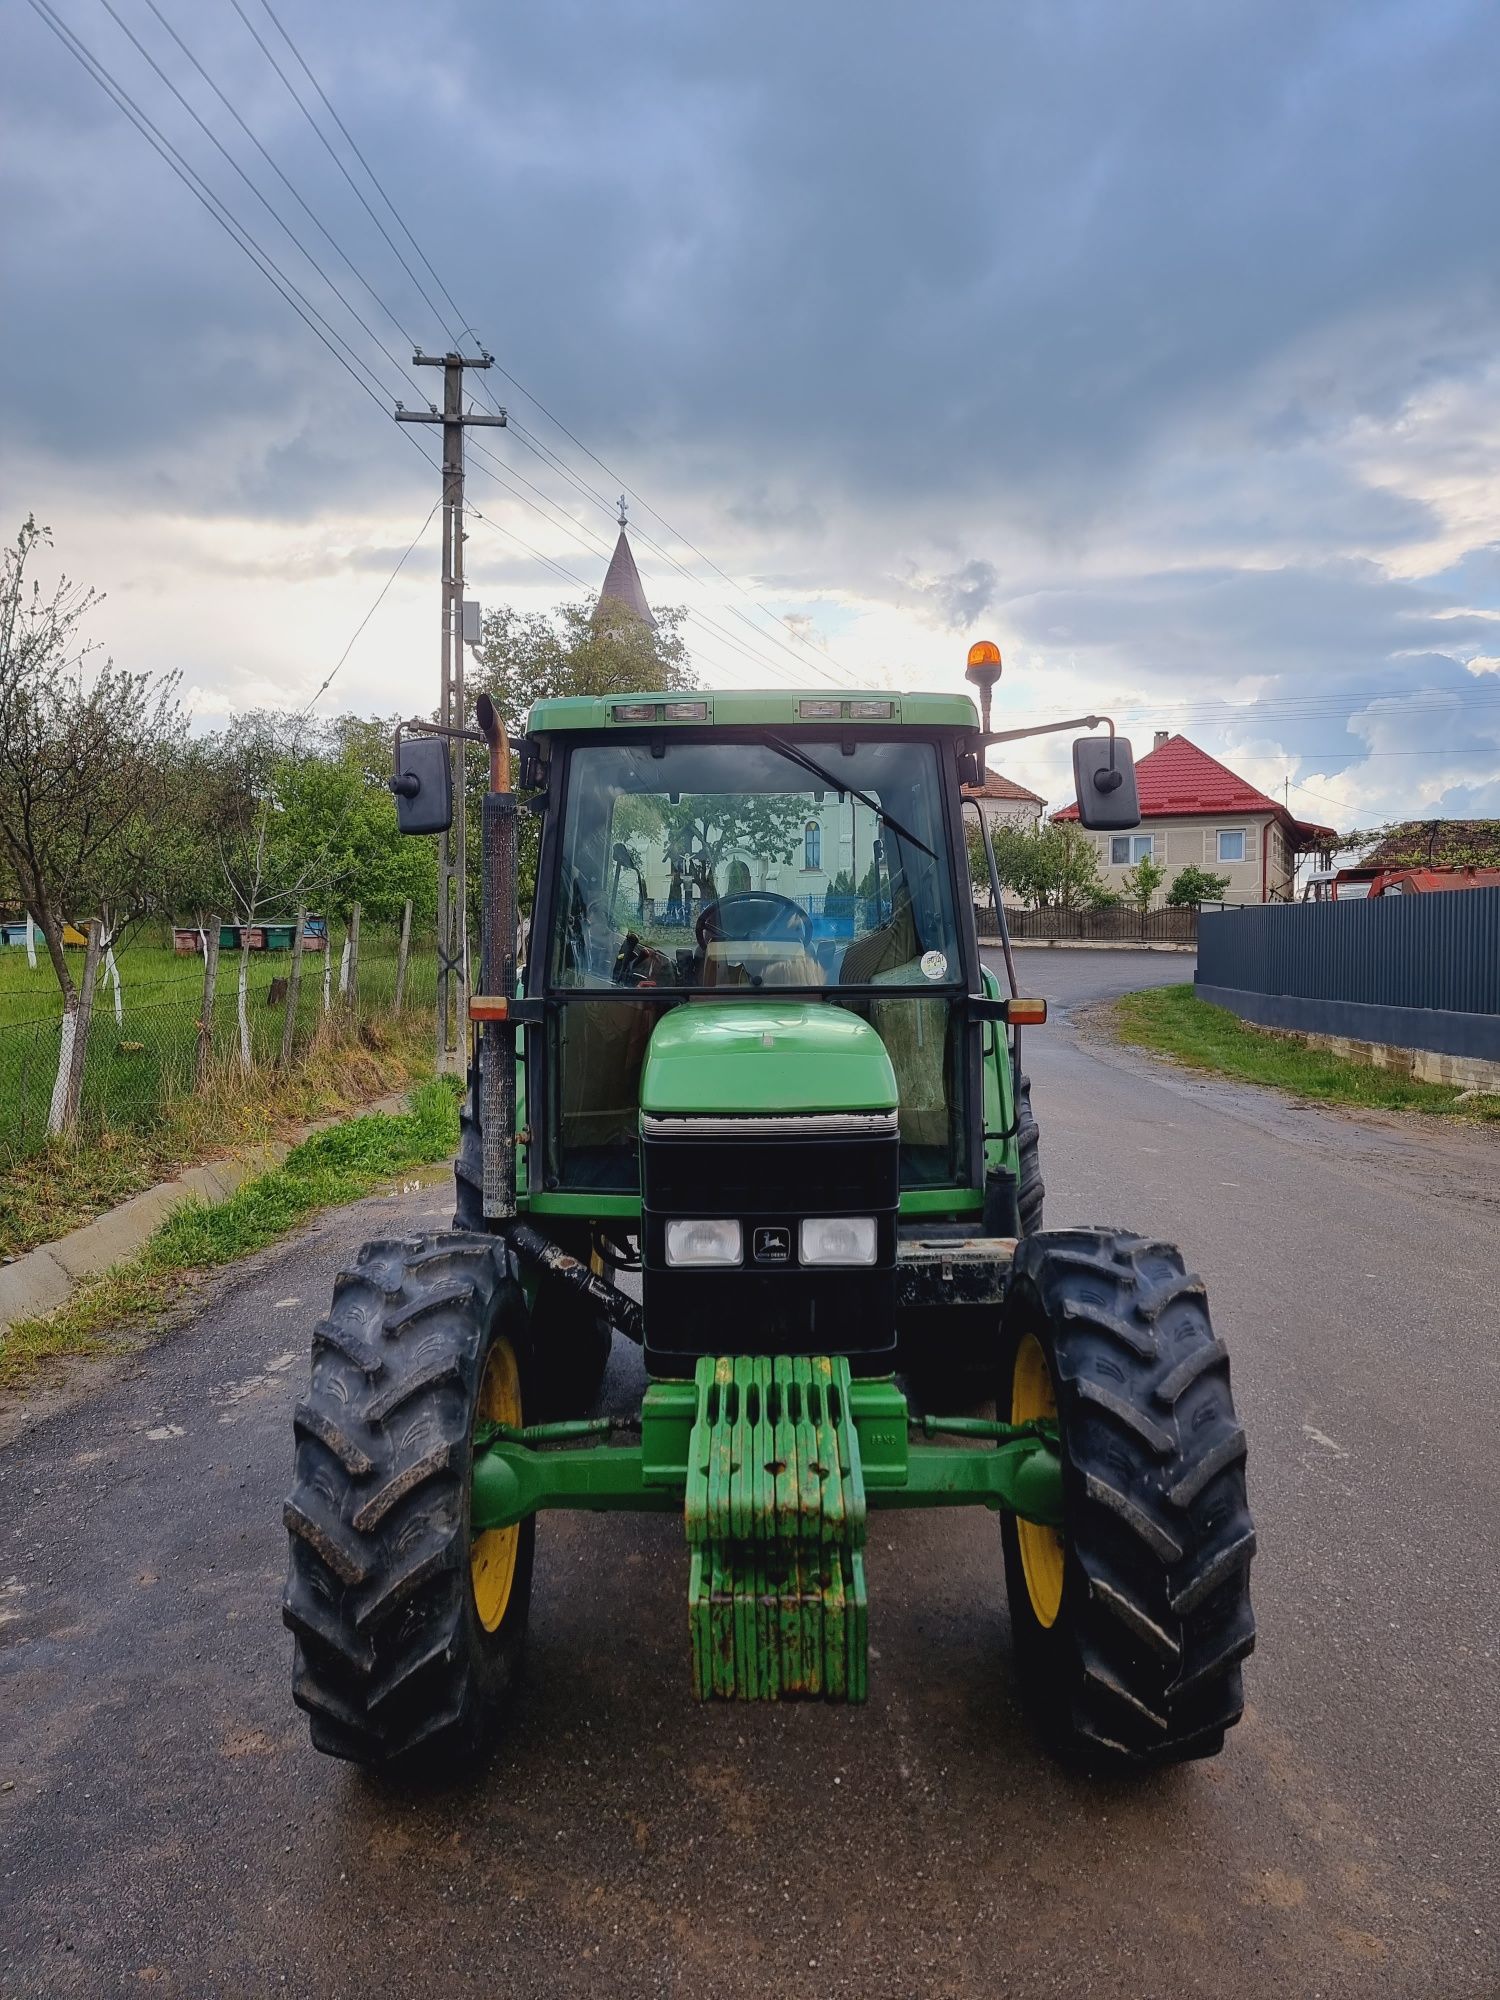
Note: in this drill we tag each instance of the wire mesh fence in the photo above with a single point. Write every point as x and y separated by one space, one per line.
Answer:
150 1042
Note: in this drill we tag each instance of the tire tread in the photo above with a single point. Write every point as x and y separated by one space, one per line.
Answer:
1144 1661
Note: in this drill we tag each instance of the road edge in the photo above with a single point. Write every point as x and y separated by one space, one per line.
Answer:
42 1280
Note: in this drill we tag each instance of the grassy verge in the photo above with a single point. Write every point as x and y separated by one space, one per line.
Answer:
335 1166
71 1181
1173 1021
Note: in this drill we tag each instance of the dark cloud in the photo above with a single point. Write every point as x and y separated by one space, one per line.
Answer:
1074 316
964 594
959 251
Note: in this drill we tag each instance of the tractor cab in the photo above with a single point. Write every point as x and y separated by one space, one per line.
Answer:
788 860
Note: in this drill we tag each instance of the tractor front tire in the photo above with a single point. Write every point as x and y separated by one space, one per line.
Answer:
1130 1623
409 1629
573 1338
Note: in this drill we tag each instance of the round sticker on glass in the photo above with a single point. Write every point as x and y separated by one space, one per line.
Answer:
934 964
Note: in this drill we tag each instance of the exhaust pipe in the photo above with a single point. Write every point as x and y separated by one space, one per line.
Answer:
497 1069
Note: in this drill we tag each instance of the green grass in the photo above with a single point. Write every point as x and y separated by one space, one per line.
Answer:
1173 1021
59 1185
137 1066
335 1166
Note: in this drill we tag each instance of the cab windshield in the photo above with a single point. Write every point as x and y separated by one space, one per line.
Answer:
730 864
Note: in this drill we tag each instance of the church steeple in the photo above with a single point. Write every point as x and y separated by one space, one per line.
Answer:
622 580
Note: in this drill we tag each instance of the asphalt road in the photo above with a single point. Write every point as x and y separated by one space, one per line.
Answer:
166 1829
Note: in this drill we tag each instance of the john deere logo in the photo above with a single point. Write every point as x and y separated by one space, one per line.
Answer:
772 1246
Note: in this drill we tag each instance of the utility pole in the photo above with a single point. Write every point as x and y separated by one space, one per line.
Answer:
452 882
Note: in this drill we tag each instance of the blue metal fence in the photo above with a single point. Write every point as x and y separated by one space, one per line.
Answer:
1415 971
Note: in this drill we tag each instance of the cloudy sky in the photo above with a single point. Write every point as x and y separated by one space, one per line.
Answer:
1160 342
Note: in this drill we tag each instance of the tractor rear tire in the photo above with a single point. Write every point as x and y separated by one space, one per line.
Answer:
409 1630
1131 1623
1032 1189
573 1338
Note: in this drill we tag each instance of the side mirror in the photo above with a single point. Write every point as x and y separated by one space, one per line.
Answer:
1104 774
423 785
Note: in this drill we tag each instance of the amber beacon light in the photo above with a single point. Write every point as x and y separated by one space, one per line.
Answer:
983 669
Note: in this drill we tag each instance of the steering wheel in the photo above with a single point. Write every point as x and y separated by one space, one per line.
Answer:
768 916
639 964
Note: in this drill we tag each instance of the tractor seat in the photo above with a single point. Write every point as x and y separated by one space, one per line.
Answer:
760 961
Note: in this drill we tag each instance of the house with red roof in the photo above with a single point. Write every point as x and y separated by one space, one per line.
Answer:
1001 799
1196 812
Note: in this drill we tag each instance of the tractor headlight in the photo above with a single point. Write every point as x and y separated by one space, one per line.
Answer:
837 1239
704 1243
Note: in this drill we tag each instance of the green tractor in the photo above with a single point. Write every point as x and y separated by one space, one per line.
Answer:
801 1120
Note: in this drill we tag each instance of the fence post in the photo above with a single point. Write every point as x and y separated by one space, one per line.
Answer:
352 995
293 994
81 1030
401 951
210 937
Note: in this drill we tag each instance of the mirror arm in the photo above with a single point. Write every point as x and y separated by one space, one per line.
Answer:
420 728
1051 728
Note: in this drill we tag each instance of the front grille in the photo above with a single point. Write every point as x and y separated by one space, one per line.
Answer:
718 1166
768 1173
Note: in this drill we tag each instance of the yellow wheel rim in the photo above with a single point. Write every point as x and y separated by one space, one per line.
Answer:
1031 1396
492 1555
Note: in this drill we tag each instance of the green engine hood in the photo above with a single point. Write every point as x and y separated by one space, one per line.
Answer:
783 1056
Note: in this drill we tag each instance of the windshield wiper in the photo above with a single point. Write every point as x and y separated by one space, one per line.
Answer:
796 756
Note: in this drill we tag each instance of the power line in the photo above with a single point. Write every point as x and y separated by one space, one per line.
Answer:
1308 791
275 216
371 172
262 259
333 155
286 182
561 569
826 671
1331 705
352 364
1363 756
504 474
576 533
379 600
548 456
571 576
618 480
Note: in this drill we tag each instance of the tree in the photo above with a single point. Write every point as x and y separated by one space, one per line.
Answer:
240 825
86 780
87 763
1143 881
335 803
699 832
1192 886
578 650
1425 843
1051 866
